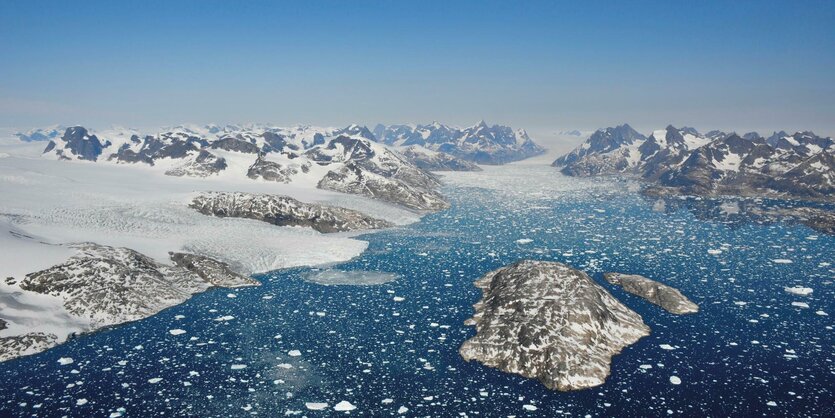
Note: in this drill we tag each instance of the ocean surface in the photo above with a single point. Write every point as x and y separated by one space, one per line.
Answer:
385 336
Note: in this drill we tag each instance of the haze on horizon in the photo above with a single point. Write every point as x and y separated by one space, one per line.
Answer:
543 66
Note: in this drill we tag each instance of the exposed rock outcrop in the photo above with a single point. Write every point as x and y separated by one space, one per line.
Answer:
548 321
102 286
654 292
284 211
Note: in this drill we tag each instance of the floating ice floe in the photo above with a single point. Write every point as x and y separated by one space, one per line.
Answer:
799 290
350 278
294 353
81 401
155 380
65 361
524 241
781 261
714 252
667 347
399 299
344 406
315 406
800 304
177 331
528 407
675 380
238 366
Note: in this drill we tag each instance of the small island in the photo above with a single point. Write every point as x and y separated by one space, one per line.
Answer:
669 298
548 321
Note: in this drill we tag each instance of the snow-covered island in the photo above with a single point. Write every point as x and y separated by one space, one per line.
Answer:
548 321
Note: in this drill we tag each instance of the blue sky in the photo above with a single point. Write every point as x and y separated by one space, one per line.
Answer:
545 66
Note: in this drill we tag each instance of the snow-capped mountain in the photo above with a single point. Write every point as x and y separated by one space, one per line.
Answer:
480 143
344 160
41 134
684 160
436 161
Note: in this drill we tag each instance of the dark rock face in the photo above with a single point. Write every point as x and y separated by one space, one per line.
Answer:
235 144
78 144
654 292
273 171
211 271
547 321
801 165
284 211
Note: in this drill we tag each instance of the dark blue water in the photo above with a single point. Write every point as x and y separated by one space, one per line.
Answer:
748 352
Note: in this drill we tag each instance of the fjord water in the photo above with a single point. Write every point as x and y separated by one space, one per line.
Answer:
392 346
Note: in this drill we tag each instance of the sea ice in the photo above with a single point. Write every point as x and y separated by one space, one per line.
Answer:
344 406
351 277
315 406
799 290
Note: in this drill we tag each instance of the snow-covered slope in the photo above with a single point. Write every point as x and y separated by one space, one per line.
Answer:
57 205
345 160
683 160
101 286
480 143
430 160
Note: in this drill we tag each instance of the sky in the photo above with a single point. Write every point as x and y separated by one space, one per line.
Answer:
545 66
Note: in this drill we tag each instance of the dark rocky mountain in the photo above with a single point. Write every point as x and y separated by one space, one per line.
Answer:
687 162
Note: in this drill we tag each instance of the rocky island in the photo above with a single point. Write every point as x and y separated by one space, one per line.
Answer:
101 286
548 321
284 211
669 298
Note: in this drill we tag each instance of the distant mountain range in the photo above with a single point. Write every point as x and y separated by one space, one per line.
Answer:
353 160
685 161
480 143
